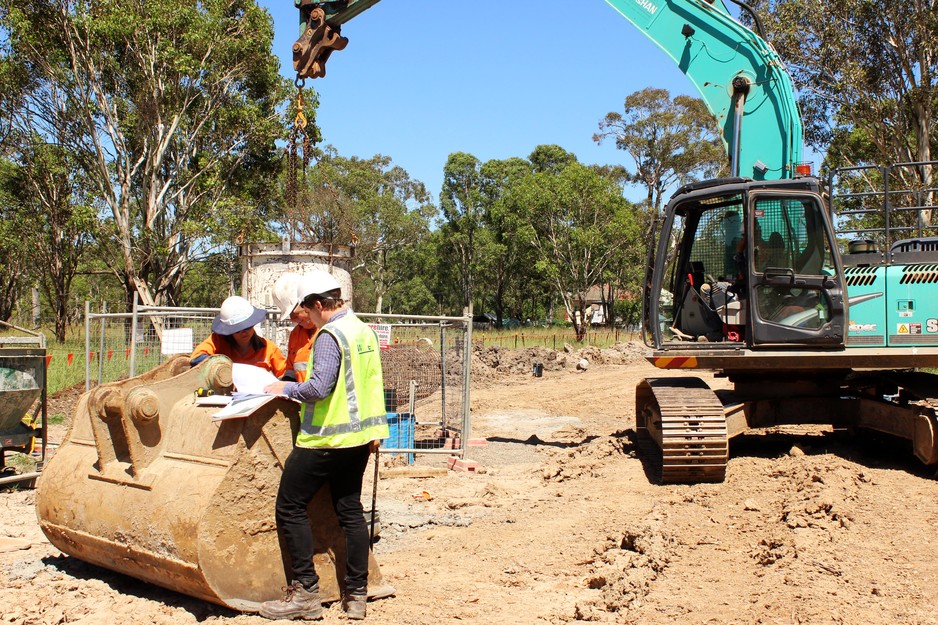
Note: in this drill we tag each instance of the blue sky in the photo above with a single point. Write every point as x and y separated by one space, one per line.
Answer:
421 79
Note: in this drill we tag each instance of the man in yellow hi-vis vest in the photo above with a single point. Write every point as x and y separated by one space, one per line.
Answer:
342 420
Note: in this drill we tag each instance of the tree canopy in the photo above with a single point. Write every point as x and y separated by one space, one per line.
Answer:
169 109
670 141
866 72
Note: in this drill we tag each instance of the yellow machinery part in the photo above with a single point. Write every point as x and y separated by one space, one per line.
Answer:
147 484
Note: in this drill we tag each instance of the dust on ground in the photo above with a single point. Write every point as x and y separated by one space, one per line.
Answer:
560 524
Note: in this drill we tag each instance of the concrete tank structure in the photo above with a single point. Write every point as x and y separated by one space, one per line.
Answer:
263 263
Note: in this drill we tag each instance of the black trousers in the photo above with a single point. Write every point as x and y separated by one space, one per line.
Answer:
305 472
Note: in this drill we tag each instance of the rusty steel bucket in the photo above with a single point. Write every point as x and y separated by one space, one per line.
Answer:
147 484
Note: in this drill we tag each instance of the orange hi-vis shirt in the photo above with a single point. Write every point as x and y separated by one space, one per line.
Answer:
268 357
299 347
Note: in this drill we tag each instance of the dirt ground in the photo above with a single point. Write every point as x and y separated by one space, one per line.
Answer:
560 524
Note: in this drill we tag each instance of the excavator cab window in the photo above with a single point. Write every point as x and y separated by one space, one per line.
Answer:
703 297
756 267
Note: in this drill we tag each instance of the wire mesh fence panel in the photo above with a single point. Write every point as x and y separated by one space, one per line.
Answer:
122 345
425 361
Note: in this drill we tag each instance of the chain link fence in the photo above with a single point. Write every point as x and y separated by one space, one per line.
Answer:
426 364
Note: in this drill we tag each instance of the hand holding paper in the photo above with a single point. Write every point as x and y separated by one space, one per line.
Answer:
275 388
255 386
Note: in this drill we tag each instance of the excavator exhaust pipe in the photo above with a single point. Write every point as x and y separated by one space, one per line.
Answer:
148 485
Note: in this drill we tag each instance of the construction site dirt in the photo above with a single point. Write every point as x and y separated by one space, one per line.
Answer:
559 523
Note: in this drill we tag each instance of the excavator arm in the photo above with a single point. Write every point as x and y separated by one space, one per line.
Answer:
738 75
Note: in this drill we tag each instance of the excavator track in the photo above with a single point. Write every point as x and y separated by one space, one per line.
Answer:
681 429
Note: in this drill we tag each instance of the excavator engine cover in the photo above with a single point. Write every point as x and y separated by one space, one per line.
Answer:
147 484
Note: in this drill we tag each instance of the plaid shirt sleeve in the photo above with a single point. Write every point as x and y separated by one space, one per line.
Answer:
322 378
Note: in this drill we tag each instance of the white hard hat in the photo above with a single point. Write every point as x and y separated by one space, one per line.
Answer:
316 283
236 314
285 297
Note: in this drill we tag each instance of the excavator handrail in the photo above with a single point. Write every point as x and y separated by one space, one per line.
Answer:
737 74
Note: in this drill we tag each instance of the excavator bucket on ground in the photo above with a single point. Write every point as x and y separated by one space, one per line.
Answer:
147 484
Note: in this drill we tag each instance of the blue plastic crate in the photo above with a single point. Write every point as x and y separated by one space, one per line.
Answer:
401 425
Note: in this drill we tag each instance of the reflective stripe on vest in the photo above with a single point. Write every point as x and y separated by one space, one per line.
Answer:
345 428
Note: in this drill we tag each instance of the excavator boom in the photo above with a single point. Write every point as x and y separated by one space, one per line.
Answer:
738 75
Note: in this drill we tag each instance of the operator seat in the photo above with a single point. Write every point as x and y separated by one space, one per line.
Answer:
695 317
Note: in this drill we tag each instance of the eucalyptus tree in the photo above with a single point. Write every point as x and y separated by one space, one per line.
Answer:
867 79
13 262
462 207
47 190
416 293
56 219
866 73
579 220
550 158
669 141
506 256
172 115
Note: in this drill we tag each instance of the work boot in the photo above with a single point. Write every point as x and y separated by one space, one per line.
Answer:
297 602
354 605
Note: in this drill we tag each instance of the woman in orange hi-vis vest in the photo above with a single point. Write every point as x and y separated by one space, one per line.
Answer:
300 343
233 335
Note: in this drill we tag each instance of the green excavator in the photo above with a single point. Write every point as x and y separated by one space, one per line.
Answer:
815 307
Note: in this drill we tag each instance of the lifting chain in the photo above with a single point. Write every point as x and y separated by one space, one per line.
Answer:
299 140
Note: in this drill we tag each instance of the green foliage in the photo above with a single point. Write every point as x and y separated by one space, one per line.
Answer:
461 203
670 141
413 297
170 109
211 280
163 120
21 462
56 218
371 204
867 74
550 158
13 263
579 222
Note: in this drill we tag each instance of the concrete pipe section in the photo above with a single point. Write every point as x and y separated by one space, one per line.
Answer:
146 483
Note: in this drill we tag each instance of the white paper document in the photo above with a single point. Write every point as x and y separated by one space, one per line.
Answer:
250 380
242 407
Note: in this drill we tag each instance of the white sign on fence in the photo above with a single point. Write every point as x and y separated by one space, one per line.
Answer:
383 330
177 341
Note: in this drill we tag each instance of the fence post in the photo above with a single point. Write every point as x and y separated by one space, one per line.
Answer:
467 364
442 378
87 345
101 345
133 339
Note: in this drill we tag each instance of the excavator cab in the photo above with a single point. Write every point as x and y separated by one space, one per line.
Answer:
743 263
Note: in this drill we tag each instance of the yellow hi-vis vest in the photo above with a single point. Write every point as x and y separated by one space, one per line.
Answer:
354 413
